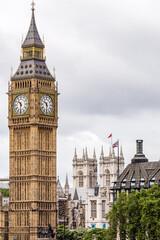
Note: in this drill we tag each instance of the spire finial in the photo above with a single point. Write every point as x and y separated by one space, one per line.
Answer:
75 153
113 153
66 184
54 72
11 72
110 154
121 152
22 39
43 40
83 154
33 5
94 153
86 153
102 153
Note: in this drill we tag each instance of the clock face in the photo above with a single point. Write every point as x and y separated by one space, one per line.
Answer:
46 104
20 104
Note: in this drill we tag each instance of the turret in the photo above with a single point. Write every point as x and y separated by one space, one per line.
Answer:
66 187
102 152
83 156
86 154
121 152
94 154
75 155
110 154
113 153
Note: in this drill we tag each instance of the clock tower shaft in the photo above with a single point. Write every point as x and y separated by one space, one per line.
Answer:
32 132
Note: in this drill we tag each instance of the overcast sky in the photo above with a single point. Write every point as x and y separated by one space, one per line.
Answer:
107 56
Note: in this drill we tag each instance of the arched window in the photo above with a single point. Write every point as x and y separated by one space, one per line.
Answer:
90 180
80 179
107 177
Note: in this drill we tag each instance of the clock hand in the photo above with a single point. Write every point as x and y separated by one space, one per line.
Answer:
46 105
20 106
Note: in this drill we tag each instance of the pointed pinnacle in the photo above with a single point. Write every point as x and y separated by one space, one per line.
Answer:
113 153
75 153
121 152
86 153
33 5
94 154
102 153
110 154
66 184
83 154
11 72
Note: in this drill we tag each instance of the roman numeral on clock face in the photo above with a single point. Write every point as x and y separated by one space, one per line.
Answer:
46 104
20 104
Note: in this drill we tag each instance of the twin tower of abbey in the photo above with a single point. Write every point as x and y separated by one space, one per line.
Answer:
32 124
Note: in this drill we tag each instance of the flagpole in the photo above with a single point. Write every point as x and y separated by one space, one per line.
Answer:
118 160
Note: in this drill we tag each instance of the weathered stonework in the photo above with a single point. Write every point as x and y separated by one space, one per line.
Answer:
32 154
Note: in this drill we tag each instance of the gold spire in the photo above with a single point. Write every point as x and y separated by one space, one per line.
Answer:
43 40
22 39
33 5
54 72
11 72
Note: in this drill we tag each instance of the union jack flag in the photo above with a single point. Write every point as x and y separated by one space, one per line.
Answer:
115 144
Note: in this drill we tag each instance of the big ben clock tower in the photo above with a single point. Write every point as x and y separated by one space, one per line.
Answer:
32 127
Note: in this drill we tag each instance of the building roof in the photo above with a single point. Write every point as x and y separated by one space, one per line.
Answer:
137 175
75 195
60 192
33 38
140 173
32 69
81 193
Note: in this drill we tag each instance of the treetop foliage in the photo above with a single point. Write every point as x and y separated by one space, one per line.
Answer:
5 192
136 216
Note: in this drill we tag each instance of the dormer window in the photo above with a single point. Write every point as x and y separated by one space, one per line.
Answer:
133 182
152 181
142 182
123 183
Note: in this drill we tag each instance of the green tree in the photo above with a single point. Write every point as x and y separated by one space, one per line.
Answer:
150 212
96 234
79 233
136 215
133 226
5 192
64 233
117 217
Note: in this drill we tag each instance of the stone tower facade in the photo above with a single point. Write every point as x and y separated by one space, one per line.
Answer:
108 171
32 121
84 170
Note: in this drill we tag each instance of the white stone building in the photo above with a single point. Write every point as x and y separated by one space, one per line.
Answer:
84 171
89 201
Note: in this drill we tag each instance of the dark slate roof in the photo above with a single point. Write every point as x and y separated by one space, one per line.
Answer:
75 195
138 175
60 192
33 38
32 69
81 192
